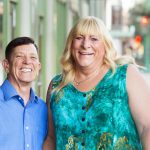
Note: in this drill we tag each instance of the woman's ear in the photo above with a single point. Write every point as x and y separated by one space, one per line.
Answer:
5 65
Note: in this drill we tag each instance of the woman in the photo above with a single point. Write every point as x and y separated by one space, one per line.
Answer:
100 101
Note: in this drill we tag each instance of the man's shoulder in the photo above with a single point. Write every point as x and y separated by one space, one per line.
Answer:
1 94
41 101
41 104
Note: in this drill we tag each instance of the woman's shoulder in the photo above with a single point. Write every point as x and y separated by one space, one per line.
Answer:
56 80
122 67
134 72
129 68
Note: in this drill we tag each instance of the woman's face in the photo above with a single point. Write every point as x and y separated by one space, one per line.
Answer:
88 50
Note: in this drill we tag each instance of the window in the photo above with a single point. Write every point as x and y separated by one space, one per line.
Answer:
13 18
40 37
1 23
1 36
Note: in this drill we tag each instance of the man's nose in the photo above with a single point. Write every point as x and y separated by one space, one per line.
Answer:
27 60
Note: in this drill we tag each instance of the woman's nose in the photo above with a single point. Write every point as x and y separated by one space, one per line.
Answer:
86 43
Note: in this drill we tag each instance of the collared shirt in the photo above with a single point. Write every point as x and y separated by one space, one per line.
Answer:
21 127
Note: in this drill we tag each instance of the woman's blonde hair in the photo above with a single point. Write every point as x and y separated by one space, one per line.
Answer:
89 26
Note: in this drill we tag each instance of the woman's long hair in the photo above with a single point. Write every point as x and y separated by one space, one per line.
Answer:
89 26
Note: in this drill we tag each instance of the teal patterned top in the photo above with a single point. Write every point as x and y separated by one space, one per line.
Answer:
99 119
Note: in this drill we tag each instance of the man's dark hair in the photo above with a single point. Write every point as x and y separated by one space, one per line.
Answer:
18 42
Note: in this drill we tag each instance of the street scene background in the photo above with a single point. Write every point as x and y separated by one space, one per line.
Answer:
49 21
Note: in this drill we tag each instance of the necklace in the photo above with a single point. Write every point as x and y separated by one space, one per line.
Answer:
77 83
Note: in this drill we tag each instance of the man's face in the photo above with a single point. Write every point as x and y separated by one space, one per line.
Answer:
24 65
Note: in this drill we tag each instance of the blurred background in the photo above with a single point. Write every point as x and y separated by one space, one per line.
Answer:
49 21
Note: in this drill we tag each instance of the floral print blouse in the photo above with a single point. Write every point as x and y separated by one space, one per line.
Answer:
99 119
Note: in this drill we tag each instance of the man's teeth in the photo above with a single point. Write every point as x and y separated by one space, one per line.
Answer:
26 70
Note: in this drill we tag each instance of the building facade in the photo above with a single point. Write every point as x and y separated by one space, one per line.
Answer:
48 23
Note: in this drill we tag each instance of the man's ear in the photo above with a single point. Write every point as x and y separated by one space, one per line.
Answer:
5 65
40 66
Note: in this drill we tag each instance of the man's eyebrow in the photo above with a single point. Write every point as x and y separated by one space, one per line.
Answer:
18 53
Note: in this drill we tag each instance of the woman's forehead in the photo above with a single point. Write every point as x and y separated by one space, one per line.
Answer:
88 30
87 33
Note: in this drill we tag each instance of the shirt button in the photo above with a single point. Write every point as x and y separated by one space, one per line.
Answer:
83 119
27 127
82 143
19 98
27 145
83 107
84 95
83 131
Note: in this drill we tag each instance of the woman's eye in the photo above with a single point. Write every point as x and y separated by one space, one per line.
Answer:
94 39
78 38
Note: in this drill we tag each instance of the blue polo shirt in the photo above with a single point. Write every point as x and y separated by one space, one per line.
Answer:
21 127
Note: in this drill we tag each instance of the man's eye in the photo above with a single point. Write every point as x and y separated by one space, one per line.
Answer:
19 56
33 57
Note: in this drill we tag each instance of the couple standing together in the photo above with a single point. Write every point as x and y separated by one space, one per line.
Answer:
100 101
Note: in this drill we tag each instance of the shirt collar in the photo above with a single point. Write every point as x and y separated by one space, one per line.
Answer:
9 91
1 94
33 97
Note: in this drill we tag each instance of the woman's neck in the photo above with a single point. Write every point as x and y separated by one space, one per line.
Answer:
83 76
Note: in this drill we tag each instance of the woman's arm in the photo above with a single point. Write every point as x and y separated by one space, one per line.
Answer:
139 103
49 143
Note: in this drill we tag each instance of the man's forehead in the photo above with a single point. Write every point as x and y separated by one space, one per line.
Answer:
30 48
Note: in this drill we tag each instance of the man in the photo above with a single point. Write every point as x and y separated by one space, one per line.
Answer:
23 115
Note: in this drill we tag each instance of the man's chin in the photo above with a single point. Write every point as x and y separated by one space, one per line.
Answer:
27 81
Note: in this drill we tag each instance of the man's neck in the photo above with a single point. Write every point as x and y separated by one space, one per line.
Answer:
23 89
24 93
